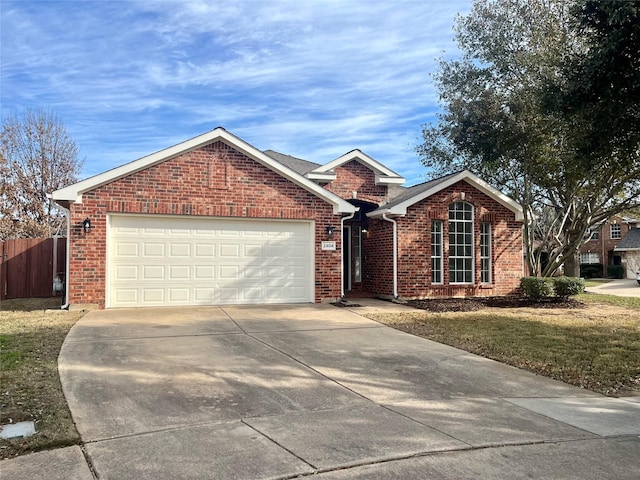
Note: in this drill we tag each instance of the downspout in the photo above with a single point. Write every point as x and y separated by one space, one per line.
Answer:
342 220
67 262
395 254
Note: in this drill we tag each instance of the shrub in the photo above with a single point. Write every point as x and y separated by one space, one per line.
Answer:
536 288
591 270
568 286
615 271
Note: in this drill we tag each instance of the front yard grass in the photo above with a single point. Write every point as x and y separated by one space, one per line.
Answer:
596 347
30 341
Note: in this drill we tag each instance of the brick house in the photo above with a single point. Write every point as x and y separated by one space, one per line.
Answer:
600 249
213 220
629 250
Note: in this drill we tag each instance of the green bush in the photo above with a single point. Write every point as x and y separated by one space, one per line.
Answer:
615 271
568 286
536 288
591 270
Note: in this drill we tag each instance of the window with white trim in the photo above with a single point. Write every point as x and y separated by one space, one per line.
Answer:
589 257
616 231
436 251
485 252
357 254
461 243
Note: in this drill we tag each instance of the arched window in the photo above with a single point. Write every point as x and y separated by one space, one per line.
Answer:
461 262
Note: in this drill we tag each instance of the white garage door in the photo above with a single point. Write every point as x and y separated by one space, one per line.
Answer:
162 261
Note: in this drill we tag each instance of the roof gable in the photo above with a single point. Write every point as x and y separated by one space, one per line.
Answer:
398 206
73 193
383 175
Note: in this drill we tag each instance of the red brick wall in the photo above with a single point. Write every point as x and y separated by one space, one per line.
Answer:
355 177
377 261
215 180
414 248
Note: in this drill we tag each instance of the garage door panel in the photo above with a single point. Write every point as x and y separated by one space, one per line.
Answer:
153 249
179 295
229 250
157 260
205 250
180 250
204 272
182 272
127 249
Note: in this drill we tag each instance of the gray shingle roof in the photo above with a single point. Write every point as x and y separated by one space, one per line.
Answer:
298 165
631 241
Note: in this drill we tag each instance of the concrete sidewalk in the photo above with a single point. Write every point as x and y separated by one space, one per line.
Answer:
286 391
625 287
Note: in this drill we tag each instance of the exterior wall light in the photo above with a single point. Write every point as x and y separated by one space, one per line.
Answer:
330 230
86 225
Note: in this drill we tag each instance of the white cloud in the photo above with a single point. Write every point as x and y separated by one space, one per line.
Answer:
313 78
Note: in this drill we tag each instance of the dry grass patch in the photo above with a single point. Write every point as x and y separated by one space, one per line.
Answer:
30 341
596 347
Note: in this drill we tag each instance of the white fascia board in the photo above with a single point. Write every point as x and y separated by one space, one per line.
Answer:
401 208
379 213
73 193
322 177
383 180
364 159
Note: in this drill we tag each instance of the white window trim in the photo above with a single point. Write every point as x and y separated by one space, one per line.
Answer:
473 257
440 238
356 249
489 236
618 231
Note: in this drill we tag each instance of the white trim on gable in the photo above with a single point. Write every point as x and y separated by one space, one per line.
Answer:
383 175
401 208
73 193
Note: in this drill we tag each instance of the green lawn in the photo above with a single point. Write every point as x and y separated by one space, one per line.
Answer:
596 347
30 342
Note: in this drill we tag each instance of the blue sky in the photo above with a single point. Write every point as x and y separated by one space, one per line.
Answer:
312 79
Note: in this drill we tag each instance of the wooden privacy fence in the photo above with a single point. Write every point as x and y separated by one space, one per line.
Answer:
28 266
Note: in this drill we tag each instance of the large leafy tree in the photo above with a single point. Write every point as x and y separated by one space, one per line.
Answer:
500 120
37 157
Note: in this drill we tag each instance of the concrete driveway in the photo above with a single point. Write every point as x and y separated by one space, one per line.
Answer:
286 391
625 287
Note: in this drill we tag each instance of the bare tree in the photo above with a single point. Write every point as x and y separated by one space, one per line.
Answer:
37 157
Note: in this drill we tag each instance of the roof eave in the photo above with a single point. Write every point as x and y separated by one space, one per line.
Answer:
321 177
475 181
359 155
386 180
73 193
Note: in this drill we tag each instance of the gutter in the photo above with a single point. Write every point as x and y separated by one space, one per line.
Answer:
395 254
342 220
65 306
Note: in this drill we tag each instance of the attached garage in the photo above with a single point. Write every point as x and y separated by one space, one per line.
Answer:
156 260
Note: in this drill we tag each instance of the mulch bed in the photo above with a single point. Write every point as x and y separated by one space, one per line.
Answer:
477 303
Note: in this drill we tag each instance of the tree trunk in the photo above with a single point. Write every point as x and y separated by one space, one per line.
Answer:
572 266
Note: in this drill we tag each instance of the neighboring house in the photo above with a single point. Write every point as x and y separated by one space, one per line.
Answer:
629 251
213 220
604 238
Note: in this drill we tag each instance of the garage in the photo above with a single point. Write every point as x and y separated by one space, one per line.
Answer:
156 260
